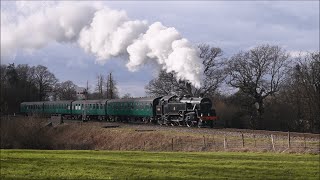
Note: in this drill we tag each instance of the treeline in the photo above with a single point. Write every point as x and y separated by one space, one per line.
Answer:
23 83
269 88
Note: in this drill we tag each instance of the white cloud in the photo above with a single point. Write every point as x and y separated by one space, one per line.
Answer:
103 32
233 26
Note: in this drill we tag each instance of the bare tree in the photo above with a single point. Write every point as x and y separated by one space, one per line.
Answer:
66 91
44 81
213 76
302 92
17 85
99 87
127 95
259 73
111 88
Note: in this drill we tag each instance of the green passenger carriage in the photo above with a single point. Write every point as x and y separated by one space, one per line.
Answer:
31 107
140 108
57 107
91 108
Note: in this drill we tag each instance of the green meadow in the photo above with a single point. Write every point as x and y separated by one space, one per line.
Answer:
90 164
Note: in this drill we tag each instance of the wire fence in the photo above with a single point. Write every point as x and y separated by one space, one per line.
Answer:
227 142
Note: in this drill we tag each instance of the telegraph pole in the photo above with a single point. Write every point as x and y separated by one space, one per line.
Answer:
84 111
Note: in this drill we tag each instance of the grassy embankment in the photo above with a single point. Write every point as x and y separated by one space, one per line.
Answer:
83 164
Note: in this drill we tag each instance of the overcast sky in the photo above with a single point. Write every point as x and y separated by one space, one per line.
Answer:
232 26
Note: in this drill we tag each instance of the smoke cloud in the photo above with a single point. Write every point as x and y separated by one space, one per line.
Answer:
103 32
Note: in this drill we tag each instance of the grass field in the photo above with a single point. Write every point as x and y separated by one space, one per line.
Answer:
82 164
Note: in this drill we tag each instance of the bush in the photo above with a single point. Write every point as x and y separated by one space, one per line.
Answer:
25 133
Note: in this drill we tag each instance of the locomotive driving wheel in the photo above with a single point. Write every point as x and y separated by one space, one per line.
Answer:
190 123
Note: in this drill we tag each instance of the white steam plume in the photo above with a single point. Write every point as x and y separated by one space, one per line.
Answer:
104 32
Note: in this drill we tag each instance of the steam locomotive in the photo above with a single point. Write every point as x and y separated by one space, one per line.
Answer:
166 110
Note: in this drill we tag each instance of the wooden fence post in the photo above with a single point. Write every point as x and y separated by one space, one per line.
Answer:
272 141
289 145
144 145
204 141
172 144
255 142
242 140
214 142
305 143
225 142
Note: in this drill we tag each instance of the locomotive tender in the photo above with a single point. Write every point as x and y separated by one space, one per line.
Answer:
166 110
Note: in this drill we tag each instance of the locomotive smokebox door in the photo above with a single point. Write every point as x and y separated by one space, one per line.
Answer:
159 110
